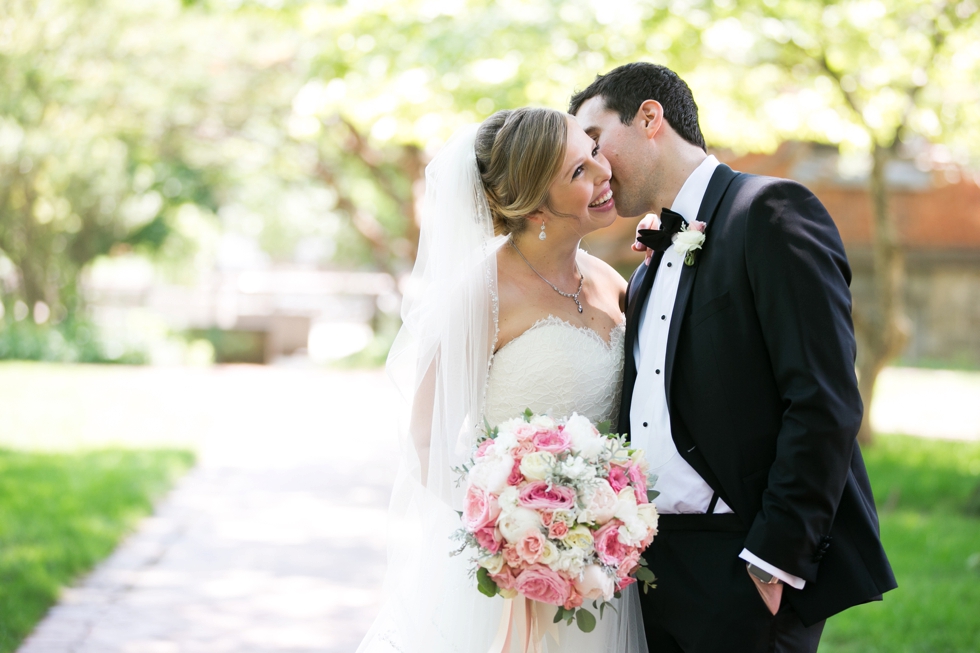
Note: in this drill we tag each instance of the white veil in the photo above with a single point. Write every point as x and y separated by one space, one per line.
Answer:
440 362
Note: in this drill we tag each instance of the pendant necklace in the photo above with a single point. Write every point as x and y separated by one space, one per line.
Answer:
572 296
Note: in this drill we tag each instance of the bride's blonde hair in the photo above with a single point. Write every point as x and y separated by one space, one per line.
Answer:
519 153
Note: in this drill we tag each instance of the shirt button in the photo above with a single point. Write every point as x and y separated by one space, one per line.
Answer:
663 317
658 371
670 265
645 424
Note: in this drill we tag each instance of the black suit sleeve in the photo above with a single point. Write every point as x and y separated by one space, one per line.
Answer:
799 277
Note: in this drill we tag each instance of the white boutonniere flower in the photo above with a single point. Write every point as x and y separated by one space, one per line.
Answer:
689 239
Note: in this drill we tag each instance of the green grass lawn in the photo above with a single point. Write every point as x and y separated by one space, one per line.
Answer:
927 499
61 513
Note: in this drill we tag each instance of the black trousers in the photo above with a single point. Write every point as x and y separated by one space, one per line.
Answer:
705 601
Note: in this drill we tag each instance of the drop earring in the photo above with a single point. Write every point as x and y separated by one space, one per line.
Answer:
542 235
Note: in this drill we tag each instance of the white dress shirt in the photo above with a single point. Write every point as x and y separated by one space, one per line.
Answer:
682 490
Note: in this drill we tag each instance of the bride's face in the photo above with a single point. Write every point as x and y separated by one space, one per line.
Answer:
580 197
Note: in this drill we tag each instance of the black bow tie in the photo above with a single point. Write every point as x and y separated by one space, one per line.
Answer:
659 239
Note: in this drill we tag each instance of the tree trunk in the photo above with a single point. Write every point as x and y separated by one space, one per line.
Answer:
883 329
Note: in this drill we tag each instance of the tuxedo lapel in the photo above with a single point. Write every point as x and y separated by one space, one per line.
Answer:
720 180
639 292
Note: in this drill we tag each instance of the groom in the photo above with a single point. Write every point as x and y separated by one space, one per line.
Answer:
739 385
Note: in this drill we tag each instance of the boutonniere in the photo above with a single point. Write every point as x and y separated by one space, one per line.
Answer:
689 239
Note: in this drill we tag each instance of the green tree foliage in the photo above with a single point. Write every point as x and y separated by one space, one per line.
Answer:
874 78
155 125
91 151
869 76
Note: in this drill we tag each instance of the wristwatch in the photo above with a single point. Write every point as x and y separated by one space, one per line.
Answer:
762 575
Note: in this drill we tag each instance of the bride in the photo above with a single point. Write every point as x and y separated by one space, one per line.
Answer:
504 312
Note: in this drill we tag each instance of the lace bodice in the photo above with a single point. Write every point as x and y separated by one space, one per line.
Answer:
558 368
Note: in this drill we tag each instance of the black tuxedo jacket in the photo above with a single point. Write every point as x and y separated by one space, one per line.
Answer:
761 387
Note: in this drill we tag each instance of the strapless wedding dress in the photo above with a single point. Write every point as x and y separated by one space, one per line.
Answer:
557 368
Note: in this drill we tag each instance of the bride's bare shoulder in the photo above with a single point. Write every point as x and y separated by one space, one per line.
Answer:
602 272
607 280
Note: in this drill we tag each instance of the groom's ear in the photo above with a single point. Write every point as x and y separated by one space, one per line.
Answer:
650 117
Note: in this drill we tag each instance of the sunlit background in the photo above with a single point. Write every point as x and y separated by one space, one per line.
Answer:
221 197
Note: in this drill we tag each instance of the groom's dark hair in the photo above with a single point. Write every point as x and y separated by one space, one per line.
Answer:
625 88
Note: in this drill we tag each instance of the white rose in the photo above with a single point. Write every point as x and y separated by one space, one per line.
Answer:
632 532
493 564
510 426
600 503
579 538
648 513
594 584
504 442
491 473
576 468
567 516
626 505
549 554
543 423
538 466
688 241
571 561
516 523
585 441
508 499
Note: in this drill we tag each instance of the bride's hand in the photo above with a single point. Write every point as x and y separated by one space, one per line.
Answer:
649 221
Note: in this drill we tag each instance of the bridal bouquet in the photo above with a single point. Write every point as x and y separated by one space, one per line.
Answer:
557 511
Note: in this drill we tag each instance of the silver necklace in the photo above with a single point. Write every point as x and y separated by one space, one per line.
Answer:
572 296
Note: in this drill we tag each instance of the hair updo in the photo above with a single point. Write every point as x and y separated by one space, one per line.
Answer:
519 152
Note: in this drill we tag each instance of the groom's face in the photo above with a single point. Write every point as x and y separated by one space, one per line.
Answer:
624 148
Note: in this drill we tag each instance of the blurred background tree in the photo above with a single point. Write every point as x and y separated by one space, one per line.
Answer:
872 78
165 128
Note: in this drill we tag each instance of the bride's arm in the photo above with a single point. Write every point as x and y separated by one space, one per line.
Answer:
420 422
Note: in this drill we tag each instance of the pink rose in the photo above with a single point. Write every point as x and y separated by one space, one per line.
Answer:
558 530
538 496
639 484
696 225
629 564
505 579
574 600
547 517
524 432
479 508
625 582
552 441
515 477
512 558
618 478
489 538
610 550
648 540
523 448
539 583
531 546
481 451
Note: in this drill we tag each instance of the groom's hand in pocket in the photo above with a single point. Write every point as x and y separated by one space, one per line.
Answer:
649 221
772 595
